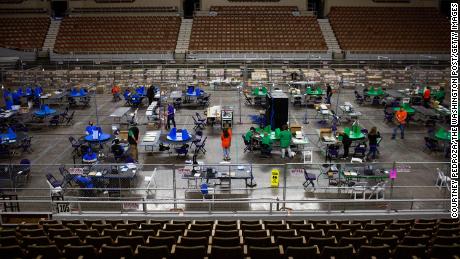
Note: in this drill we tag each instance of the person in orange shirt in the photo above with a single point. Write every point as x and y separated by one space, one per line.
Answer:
426 96
226 139
401 117
116 93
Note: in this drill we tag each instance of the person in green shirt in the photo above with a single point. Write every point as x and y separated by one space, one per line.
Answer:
266 146
440 95
249 134
285 141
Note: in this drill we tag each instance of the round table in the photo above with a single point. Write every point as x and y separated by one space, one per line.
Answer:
102 138
375 93
409 110
356 135
164 139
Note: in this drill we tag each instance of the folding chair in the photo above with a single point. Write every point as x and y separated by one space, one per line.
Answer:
199 125
309 179
200 146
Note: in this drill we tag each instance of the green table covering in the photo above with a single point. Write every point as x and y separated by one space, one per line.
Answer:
408 109
317 91
442 134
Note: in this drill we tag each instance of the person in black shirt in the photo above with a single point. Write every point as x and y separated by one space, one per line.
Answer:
151 93
346 142
373 137
133 138
328 94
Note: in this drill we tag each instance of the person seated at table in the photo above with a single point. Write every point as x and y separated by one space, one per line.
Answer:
427 96
440 95
248 136
90 128
285 141
373 137
266 145
346 142
118 149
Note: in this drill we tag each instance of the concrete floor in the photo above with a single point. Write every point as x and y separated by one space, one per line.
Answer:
51 149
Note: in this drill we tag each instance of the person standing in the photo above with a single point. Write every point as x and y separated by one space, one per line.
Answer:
328 94
426 96
151 93
373 137
285 141
401 116
226 139
133 139
171 112
346 142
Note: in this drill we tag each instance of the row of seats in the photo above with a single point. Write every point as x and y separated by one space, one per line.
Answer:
233 239
259 33
154 9
23 34
254 10
22 10
390 29
118 34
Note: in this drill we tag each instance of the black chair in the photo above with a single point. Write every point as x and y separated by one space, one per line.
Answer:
258 241
251 227
321 242
12 252
114 222
378 252
339 252
379 226
111 252
302 252
197 233
283 233
405 251
90 222
76 251
200 146
356 242
162 241
61 242
41 240
311 233
193 241
353 226
30 232
227 222
448 225
270 252
392 242
400 233
415 240
44 251
299 226
129 226
255 233
226 241
152 252
97 242
145 233
225 226
170 233
199 125
448 231
132 241
151 226
290 241
226 252
446 240
200 227
188 252
339 233
74 226
367 233
83 233
445 251
9 232
226 233
114 233
247 145
65 232
8 241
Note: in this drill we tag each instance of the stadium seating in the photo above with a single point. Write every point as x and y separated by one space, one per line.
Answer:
153 9
390 29
266 33
254 10
23 33
174 239
118 34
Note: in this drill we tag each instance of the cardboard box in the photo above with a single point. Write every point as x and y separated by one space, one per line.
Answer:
295 128
152 126
123 135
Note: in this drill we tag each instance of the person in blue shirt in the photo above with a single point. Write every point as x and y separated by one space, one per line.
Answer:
171 112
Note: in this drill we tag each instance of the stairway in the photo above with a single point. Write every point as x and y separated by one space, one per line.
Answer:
50 39
329 36
183 39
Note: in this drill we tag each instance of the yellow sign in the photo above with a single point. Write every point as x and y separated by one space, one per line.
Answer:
275 179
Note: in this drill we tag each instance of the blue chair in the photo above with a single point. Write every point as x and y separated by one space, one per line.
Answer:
359 99
360 150
309 179
332 152
190 89
197 91
182 150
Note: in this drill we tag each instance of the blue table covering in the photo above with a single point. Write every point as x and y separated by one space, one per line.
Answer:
102 137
